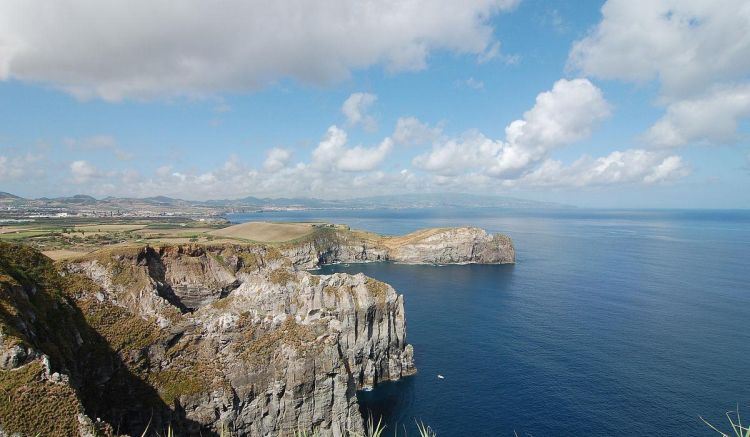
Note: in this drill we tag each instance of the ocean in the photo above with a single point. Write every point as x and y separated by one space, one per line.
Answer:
611 323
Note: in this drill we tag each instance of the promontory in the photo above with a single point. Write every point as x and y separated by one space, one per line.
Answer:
234 335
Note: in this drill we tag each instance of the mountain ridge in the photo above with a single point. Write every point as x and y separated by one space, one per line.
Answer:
410 200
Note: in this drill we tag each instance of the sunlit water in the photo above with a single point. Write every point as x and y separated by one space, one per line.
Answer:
611 323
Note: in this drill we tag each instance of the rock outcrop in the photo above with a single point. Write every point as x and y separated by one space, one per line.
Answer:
207 338
430 246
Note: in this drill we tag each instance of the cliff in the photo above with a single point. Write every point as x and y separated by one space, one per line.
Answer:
205 338
329 244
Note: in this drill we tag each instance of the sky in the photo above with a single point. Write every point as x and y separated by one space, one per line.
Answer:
612 104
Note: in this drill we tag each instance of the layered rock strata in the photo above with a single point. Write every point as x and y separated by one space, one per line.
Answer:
465 245
208 338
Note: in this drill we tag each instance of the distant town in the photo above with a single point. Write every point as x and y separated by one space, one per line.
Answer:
15 208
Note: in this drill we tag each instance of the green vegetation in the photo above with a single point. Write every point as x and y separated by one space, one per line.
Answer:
88 234
735 422
281 276
258 346
222 303
249 262
377 289
174 383
30 404
330 290
87 336
82 335
119 327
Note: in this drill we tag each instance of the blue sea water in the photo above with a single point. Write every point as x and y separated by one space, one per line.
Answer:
611 323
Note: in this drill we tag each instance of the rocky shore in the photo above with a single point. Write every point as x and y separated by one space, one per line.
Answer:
209 338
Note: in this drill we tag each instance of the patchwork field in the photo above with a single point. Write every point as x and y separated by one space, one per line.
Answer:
70 238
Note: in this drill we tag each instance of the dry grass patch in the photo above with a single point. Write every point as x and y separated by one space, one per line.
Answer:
413 238
35 406
281 276
266 232
64 254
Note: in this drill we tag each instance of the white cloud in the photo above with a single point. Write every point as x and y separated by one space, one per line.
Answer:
333 153
699 51
474 83
493 52
561 116
96 142
686 44
153 48
632 166
711 118
330 148
276 159
455 156
164 171
355 109
83 171
364 159
17 167
411 131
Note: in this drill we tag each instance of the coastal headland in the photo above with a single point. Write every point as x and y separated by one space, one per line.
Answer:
232 333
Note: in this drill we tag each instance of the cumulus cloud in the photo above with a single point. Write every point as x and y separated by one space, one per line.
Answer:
150 48
632 166
332 152
17 167
362 158
711 118
355 109
411 131
83 171
684 43
471 152
699 52
276 159
563 115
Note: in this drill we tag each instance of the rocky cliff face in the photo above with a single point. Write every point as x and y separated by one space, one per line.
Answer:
205 338
430 246
232 337
455 246
258 346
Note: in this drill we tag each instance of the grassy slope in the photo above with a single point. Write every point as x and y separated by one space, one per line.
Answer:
60 317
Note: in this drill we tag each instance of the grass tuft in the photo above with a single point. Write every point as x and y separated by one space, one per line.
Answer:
735 422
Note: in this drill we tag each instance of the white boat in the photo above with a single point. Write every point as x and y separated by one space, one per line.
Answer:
441 376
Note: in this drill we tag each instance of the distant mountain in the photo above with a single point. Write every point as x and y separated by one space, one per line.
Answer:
78 199
430 200
450 200
162 200
169 205
8 196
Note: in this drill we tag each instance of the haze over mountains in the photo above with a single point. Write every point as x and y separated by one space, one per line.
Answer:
432 200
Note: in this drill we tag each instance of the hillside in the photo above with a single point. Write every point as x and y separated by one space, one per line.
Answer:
202 337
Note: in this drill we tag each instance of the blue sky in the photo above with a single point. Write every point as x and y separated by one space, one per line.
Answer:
604 104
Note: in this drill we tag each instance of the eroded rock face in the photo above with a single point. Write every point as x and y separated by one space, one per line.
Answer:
457 246
205 338
270 349
432 246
